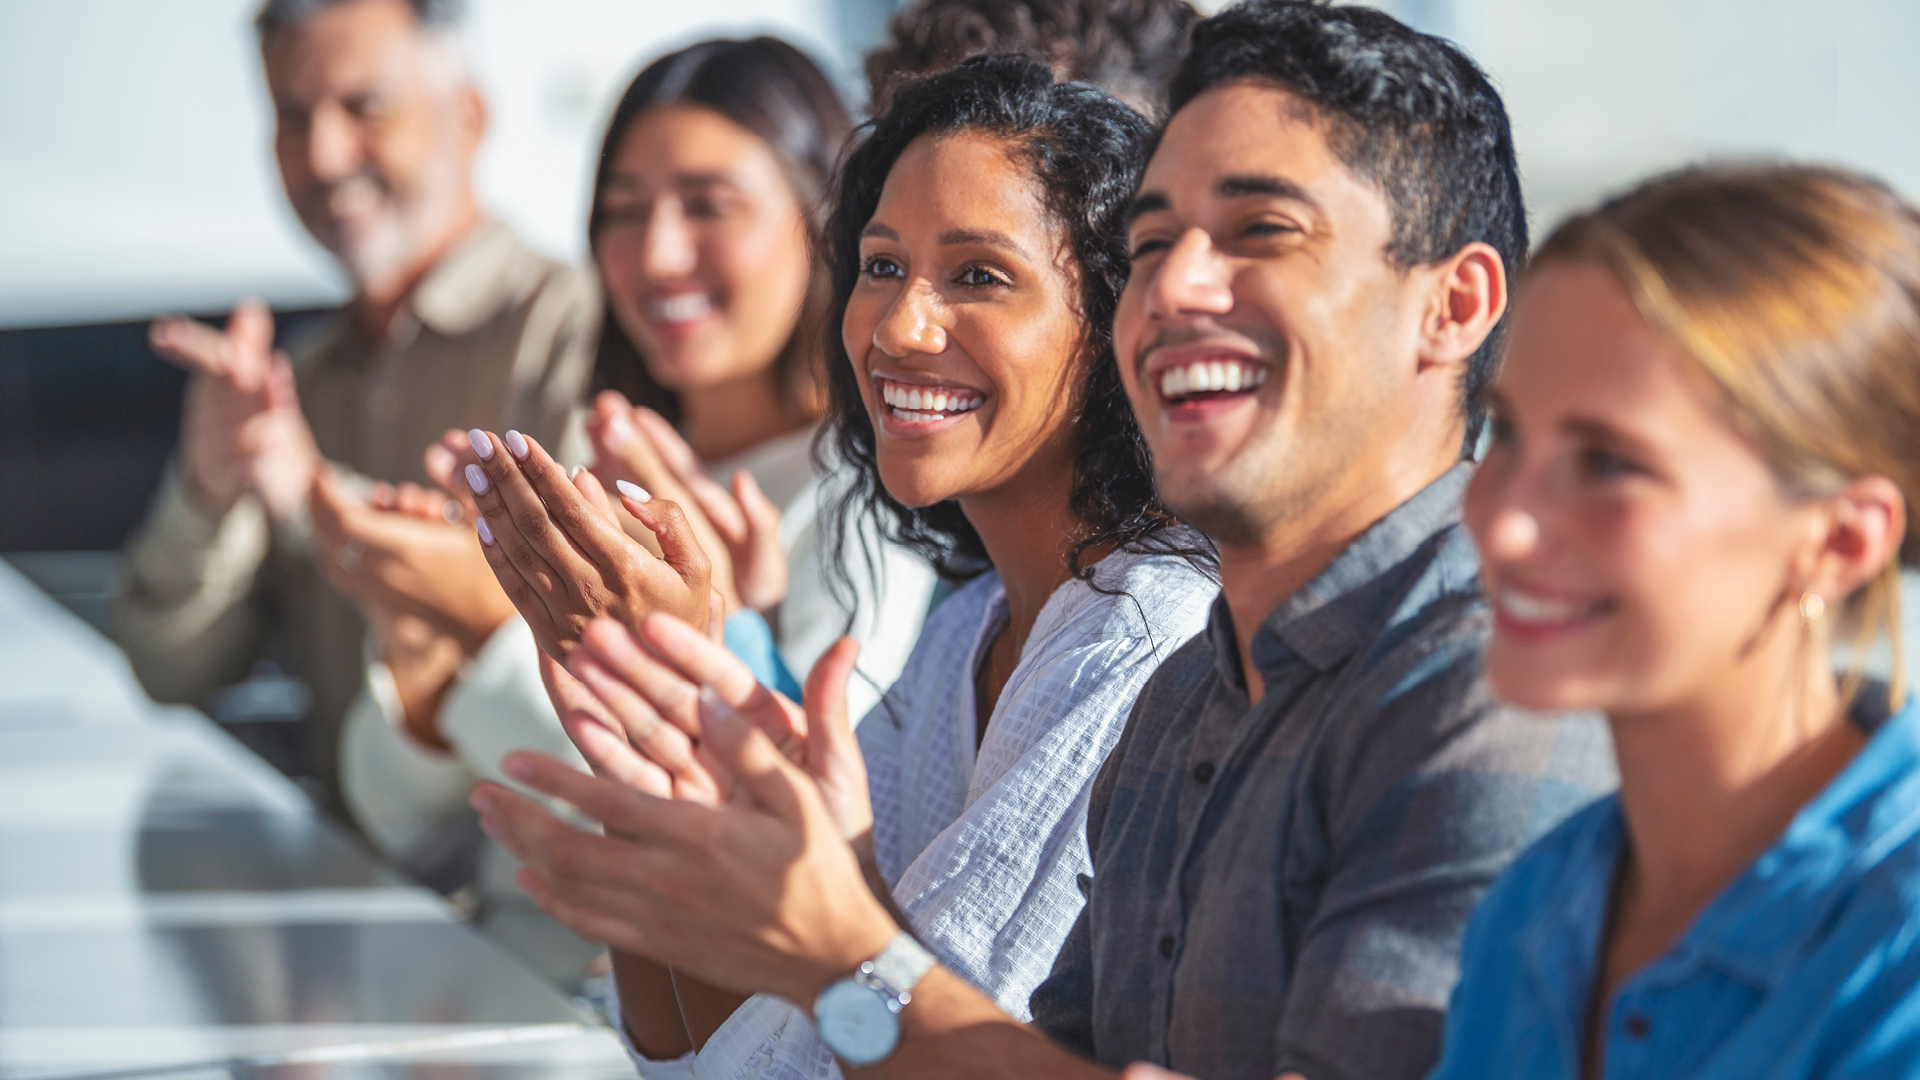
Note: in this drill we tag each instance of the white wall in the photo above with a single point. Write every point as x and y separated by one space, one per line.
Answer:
1605 91
136 175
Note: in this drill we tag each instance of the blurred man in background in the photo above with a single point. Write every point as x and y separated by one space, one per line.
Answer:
453 323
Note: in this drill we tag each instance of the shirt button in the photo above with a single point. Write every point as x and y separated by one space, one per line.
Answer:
1637 1026
1203 772
1166 946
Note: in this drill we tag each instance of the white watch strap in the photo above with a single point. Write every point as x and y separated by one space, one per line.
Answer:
899 967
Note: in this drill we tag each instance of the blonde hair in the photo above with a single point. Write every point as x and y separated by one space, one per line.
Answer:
1796 289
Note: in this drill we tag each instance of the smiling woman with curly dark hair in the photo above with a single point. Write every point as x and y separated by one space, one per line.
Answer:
977 257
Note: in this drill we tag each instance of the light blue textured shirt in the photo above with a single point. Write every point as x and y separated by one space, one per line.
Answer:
1806 966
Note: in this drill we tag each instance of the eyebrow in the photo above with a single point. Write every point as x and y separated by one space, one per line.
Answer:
989 237
875 229
1229 187
1147 202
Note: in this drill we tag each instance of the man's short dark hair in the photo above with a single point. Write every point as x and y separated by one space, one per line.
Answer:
1407 112
1125 47
278 15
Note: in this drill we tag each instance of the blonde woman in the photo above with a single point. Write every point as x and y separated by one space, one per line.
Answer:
1707 441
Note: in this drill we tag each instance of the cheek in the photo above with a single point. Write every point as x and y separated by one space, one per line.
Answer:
617 260
763 268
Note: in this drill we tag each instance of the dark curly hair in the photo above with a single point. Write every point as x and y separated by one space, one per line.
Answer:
1086 151
1408 112
1126 47
770 88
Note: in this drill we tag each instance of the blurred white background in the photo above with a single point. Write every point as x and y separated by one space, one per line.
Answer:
135 173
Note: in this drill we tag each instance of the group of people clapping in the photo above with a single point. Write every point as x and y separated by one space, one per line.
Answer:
1040 588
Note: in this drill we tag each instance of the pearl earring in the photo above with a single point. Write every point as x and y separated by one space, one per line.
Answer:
1812 606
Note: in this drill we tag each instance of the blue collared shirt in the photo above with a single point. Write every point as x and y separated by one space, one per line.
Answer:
1806 966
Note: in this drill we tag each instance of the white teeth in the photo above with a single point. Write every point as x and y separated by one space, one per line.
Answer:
1535 609
1211 375
922 405
686 307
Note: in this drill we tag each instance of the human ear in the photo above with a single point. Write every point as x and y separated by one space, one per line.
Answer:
1468 298
1860 532
474 115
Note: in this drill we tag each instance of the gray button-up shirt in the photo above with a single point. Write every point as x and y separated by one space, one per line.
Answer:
1283 886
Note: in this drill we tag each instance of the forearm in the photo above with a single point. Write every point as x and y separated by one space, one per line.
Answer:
703 1008
951 1030
649 1007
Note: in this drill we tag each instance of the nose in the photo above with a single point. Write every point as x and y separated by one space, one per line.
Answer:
911 324
1513 534
334 150
1192 279
669 250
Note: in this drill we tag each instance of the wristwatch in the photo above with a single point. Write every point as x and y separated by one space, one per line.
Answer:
859 1016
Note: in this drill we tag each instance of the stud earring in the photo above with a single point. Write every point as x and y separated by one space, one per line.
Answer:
1812 606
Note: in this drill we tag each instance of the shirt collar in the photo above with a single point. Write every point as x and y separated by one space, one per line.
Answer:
483 272
1757 926
1364 587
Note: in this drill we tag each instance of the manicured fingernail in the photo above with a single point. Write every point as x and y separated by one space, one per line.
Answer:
715 713
481 800
620 431
476 480
480 526
481 444
633 491
517 766
451 511
574 473
516 445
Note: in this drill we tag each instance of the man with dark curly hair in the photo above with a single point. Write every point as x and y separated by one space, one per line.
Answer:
1126 47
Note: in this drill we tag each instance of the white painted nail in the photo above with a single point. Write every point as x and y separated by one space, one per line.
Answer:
486 534
516 445
481 444
574 473
633 491
476 480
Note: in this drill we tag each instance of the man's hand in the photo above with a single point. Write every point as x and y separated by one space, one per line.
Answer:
562 558
241 428
401 551
651 684
759 896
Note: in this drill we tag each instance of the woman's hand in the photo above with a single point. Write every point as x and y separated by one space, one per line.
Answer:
557 551
399 551
740 528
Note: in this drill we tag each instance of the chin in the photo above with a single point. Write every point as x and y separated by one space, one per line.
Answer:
1532 682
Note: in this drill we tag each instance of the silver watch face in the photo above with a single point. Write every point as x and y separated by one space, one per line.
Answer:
856 1022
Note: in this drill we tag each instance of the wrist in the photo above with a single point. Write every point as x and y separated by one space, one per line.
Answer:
859 941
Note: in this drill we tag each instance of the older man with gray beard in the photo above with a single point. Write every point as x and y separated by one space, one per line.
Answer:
454 323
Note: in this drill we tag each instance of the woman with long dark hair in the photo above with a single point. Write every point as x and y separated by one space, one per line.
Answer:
707 210
978 252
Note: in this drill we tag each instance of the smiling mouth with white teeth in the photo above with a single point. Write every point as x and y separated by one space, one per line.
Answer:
1208 378
680 308
915 404
1530 612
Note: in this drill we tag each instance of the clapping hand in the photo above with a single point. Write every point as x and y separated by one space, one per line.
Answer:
759 893
241 429
651 688
738 526
558 552
403 550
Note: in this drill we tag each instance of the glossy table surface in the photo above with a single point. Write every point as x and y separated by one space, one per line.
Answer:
171 906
